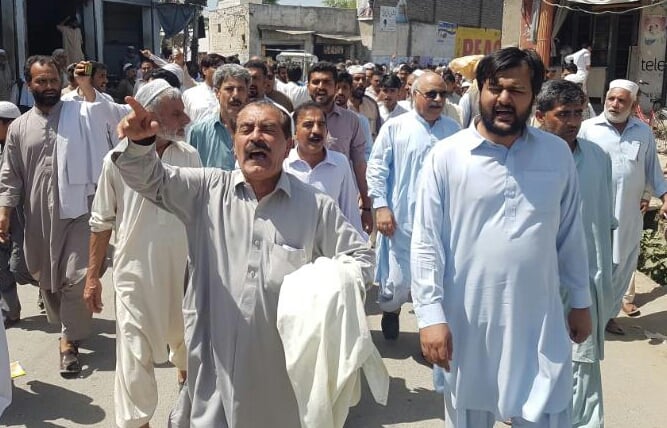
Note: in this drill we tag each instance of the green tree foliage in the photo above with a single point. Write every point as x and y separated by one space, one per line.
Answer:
344 4
270 1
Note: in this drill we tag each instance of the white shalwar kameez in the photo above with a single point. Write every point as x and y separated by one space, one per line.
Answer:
634 167
496 233
149 277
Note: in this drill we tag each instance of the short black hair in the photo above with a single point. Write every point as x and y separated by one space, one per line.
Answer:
212 60
294 72
323 67
41 60
508 58
344 77
285 120
97 67
161 73
391 81
571 67
448 76
310 105
378 72
559 92
258 65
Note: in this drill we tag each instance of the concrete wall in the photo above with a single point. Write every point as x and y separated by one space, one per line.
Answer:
228 31
511 35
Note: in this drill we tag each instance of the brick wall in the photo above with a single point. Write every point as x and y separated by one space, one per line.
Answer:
468 13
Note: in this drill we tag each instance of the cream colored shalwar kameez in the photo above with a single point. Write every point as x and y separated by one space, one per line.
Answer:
148 277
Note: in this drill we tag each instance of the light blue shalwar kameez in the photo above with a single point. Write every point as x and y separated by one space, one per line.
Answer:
392 174
597 212
497 232
634 167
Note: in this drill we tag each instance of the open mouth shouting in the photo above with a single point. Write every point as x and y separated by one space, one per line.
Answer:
258 152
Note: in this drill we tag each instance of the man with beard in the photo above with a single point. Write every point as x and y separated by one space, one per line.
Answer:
345 132
374 85
497 234
247 229
201 101
388 96
362 103
559 110
328 171
149 265
53 158
257 88
212 136
98 79
392 175
343 94
635 167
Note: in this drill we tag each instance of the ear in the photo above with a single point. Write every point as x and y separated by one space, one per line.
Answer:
289 146
539 115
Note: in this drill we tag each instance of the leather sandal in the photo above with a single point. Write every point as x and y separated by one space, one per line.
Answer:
69 360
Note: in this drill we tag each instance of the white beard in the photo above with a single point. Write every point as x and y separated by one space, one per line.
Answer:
617 117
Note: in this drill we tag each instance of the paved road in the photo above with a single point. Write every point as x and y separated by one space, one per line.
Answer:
635 374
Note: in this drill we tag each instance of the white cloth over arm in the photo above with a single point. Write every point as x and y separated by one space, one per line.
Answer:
327 341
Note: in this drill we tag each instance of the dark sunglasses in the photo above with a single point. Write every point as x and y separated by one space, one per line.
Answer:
431 95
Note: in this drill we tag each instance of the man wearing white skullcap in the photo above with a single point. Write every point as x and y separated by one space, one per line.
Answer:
53 158
148 267
635 167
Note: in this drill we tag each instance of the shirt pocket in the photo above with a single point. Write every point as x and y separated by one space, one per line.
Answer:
283 261
631 150
541 190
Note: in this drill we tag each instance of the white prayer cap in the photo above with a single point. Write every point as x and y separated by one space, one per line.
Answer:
127 66
8 110
149 91
628 85
355 69
574 78
369 66
418 72
174 68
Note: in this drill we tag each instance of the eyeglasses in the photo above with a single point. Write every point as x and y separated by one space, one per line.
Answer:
431 95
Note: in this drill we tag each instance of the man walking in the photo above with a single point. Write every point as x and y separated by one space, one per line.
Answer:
560 106
497 233
635 167
392 175
149 265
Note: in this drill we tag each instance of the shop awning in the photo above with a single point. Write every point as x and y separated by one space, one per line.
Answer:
603 2
341 37
284 30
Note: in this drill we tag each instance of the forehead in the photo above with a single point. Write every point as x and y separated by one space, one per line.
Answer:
431 81
311 114
38 69
256 113
359 76
516 75
567 107
171 105
255 72
619 93
319 75
234 82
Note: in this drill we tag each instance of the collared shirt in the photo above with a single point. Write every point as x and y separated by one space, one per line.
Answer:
497 233
240 250
386 114
332 176
345 134
635 166
199 102
213 142
75 96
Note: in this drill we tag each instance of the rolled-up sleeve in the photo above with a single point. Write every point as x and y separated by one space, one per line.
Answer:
103 211
427 252
11 178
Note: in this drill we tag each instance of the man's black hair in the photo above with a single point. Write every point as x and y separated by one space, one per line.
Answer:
391 81
506 59
161 73
310 105
259 65
571 67
344 77
41 60
294 72
212 60
323 67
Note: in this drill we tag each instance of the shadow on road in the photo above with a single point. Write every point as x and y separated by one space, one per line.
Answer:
404 406
635 327
48 402
643 298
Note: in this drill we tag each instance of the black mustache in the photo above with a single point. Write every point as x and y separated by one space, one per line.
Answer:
259 145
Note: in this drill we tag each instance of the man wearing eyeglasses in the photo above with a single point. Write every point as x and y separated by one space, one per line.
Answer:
393 170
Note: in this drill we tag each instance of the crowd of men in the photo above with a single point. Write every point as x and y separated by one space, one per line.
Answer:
516 243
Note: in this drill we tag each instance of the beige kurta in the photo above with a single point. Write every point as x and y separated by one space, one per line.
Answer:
56 250
240 250
148 278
